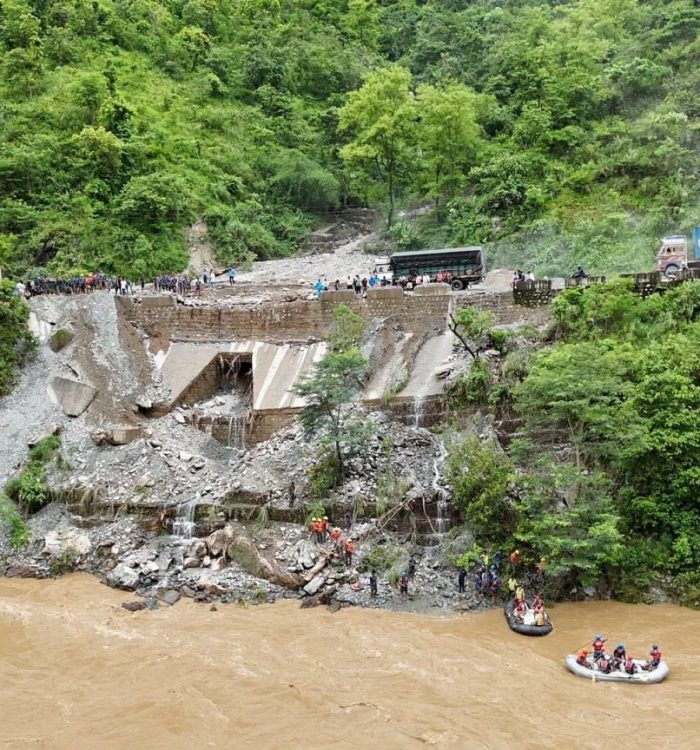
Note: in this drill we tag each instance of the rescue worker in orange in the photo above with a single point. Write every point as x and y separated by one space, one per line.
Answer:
335 535
582 658
349 549
324 528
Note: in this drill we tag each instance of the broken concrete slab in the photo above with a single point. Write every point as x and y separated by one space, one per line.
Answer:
72 396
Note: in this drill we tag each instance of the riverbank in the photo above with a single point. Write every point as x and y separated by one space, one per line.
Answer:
80 672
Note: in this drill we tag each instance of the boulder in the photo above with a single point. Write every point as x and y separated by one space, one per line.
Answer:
71 395
246 554
22 571
123 577
218 540
58 543
60 339
315 584
168 596
134 606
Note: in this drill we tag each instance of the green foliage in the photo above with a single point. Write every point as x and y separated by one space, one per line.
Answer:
16 341
481 477
623 387
329 391
474 329
472 388
324 475
314 509
18 531
29 488
379 557
45 450
557 132
347 328
63 563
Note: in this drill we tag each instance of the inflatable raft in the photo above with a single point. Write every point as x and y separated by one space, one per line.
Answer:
521 627
641 677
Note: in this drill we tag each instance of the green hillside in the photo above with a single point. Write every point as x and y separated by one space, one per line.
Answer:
555 132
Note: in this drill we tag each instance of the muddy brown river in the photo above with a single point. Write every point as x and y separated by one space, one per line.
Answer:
79 672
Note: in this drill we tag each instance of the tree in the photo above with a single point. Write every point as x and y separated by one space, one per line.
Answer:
568 518
381 118
329 391
16 340
473 328
449 136
481 476
347 328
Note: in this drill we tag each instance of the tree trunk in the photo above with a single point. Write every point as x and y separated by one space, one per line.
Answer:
390 215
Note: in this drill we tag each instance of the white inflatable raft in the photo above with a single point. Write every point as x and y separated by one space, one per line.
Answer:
641 677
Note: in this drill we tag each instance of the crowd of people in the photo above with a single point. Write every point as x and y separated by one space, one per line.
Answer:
361 284
618 660
182 284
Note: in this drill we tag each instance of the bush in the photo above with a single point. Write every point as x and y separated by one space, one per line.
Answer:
324 475
18 531
380 557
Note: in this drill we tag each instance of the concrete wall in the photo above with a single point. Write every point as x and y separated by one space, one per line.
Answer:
502 306
302 320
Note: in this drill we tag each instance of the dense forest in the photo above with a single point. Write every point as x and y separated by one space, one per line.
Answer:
554 132
601 480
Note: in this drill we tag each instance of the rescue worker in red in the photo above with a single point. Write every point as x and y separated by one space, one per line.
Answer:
324 528
537 604
349 549
605 664
582 658
654 658
629 665
520 609
335 535
514 560
598 647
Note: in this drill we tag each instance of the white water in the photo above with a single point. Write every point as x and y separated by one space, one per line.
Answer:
183 525
236 431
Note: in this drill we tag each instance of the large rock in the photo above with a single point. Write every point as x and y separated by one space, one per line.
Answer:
247 555
218 540
124 577
315 584
60 338
58 543
72 396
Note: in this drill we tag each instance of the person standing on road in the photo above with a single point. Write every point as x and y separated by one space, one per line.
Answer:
231 276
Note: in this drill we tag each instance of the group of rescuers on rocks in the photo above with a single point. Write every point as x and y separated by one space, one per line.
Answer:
618 660
344 547
486 576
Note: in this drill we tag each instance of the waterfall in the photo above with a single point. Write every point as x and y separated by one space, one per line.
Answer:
418 401
442 506
236 431
183 525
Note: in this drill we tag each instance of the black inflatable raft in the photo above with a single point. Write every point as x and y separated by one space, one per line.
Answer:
520 627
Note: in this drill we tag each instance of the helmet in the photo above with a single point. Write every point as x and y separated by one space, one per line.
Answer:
620 645
325 518
597 638
654 646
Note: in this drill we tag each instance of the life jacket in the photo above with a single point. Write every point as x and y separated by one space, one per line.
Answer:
655 655
581 657
604 665
629 666
349 547
335 534
598 646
